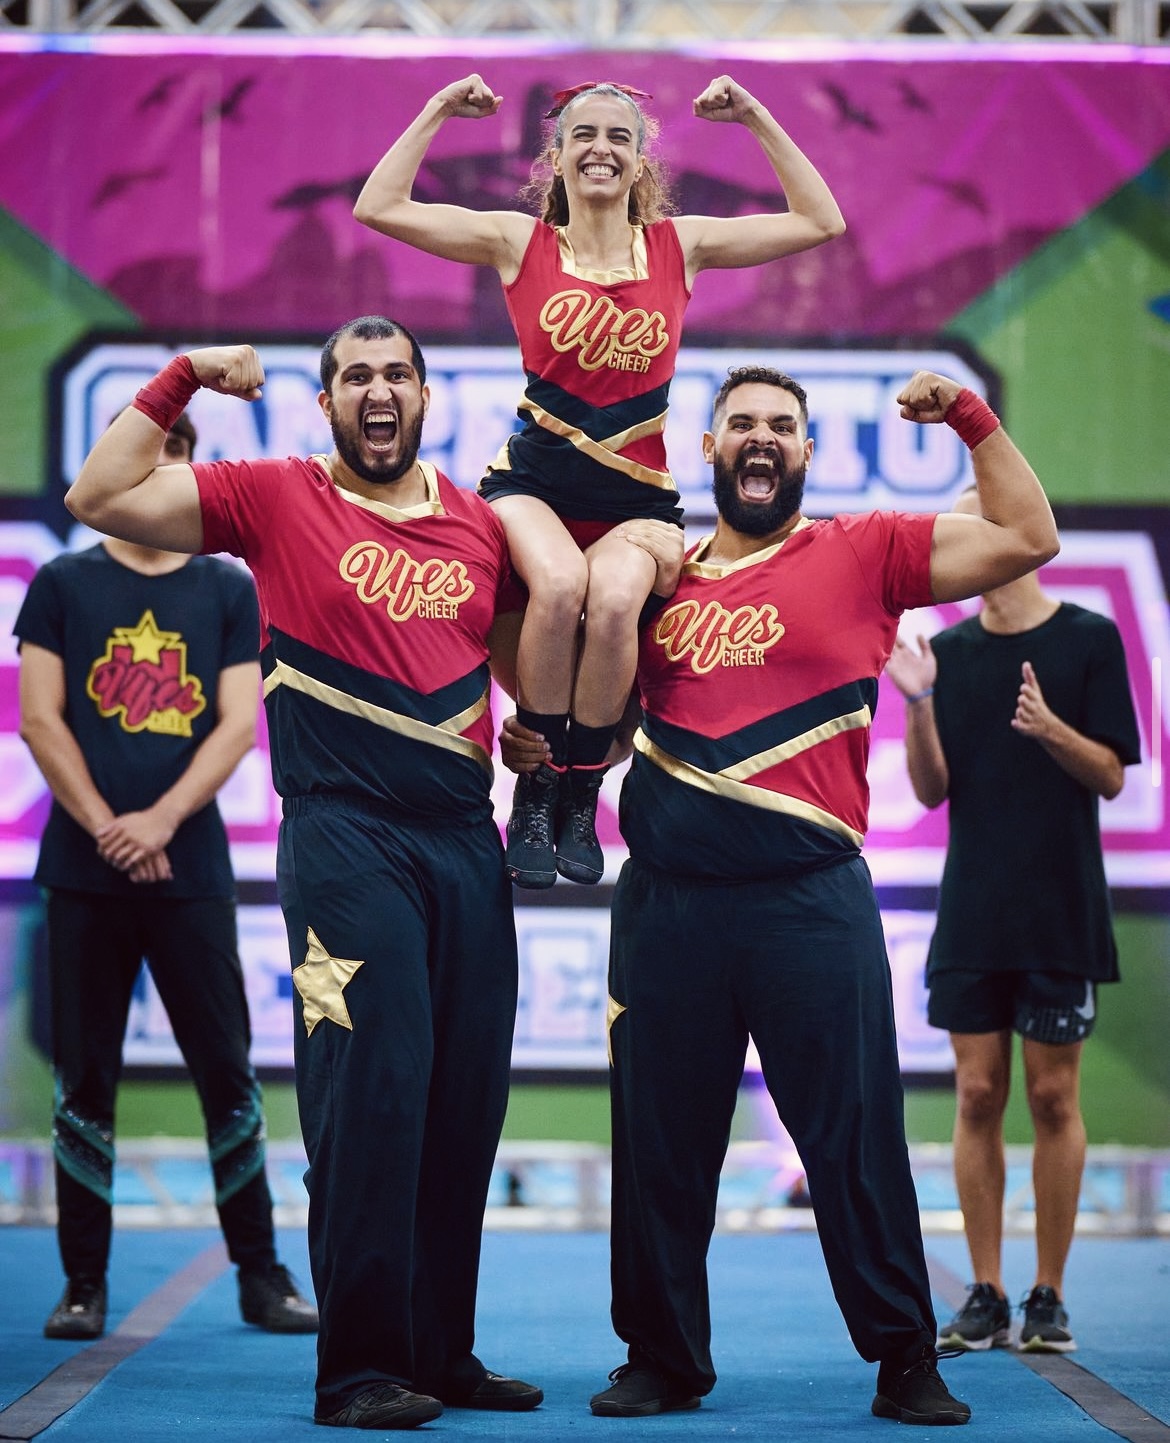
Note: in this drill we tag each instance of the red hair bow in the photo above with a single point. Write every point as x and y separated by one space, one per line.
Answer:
562 97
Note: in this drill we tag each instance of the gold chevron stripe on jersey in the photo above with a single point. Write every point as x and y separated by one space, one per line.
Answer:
752 766
724 784
603 452
445 735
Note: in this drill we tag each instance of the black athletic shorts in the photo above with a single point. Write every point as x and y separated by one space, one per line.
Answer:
1051 1007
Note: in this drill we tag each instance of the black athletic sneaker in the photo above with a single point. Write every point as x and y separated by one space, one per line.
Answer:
1045 1327
503 1395
81 1313
529 858
984 1321
579 854
914 1392
638 1391
384 1406
271 1300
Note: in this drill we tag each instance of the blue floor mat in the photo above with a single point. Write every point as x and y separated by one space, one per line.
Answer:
786 1367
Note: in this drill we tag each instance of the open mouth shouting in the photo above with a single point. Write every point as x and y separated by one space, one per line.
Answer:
759 473
381 444
380 429
759 493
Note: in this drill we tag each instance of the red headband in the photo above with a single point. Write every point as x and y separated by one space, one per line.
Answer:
562 97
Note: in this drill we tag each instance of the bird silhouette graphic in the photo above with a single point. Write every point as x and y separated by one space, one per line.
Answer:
118 182
312 192
847 112
962 192
159 94
914 99
229 107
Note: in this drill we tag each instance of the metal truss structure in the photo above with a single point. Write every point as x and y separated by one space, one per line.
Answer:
610 24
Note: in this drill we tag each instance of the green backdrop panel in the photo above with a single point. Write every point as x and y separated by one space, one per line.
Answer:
1083 352
46 306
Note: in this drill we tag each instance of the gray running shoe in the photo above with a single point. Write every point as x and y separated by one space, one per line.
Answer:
1045 1327
984 1321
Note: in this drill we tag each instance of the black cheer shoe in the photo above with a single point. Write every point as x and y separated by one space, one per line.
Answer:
503 1395
385 1406
81 1313
271 1300
915 1393
529 858
639 1390
579 854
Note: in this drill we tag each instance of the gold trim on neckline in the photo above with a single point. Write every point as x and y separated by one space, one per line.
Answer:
637 270
432 506
696 566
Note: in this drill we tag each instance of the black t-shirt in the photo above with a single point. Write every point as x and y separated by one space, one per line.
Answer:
142 658
1024 885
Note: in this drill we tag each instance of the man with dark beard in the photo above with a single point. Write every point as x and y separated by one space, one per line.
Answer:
378 582
745 906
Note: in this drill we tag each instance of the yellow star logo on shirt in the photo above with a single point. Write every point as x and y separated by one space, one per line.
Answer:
613 1010
145 641
321 980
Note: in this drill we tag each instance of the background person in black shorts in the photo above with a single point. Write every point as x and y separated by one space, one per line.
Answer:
1021 718
139 686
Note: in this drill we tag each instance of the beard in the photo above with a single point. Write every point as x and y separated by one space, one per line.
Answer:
381 471
757 518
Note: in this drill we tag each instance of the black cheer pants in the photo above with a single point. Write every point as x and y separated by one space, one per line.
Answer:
404 962
96 947
801 965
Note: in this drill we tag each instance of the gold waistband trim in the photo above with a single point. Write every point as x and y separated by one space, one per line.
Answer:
605 452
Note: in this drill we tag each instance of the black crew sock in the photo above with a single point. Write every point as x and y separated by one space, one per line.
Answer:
589 746
553 727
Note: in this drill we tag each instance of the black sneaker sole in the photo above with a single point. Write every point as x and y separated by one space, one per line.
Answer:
883 1408
286 1326
643 1410
579 872
410 1415
73 1334
531 881
503 1402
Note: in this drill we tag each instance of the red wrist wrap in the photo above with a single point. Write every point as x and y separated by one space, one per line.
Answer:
971 418
165 398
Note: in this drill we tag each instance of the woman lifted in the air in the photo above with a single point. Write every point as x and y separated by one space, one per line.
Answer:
596 289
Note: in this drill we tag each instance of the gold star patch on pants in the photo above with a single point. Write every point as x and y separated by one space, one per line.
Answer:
321 980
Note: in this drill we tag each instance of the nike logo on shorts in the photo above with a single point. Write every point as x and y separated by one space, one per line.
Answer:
1089 1008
